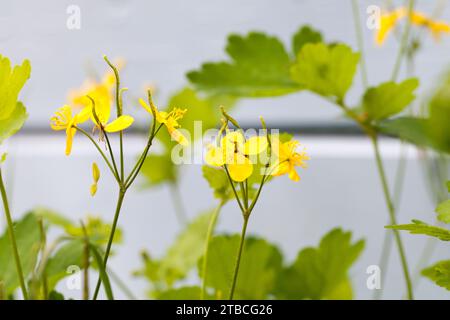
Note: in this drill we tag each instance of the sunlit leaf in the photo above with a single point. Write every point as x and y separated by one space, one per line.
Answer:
259 67
439 274
389 98
443 211
321 272
9 126
326 70
12 79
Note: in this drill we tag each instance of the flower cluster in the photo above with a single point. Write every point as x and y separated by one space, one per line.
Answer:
238 155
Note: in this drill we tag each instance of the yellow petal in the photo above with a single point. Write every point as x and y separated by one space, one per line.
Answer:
255 145
121 123
145 106
240 172
93 189
84 115
178 136
240 169
102 98
95 172
280 169
70 133
215 157
387 22
293 175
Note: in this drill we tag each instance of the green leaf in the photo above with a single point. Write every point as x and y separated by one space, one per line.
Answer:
260 265
69 254
183 293
419 227
28 240
448 186
322 272
325 70
259 67
9 126
55 295
103 274
443 211
413 130
305 35
439 274
439 130
180 258
184 253
11 82
158 169
439 113
218 181
389 98
53 218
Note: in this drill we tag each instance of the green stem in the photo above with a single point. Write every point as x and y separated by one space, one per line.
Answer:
360 41
111 238
43 249
393 219
403 43
111 153
86 255
135 172
101 152
234 190
238 257
119 108
209 235
387 241
13 238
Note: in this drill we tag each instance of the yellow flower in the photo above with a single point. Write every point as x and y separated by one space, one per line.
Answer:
103 115
96 177
169 119
63 120
390 19
287 159
233 152
387 22
436 27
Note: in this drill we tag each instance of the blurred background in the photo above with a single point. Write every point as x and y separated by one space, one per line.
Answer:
161 41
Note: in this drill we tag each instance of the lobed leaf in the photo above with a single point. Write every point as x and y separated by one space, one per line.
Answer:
389 98
327 70
321 272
